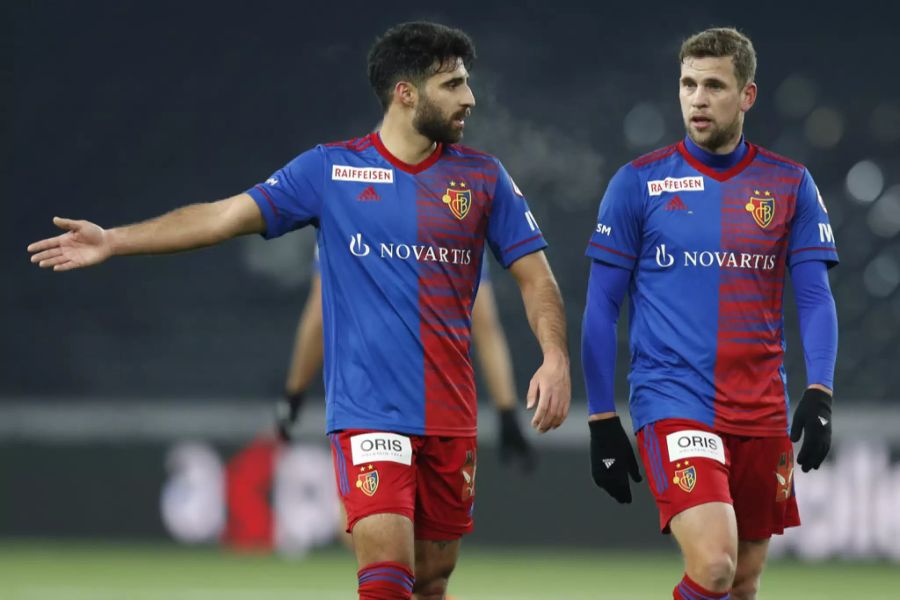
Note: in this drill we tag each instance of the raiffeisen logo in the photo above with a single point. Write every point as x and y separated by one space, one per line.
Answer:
418 252
718 258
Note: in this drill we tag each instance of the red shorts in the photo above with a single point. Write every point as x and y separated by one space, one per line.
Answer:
428 479
688 464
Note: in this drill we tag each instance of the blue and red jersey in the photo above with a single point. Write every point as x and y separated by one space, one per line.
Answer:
708 240
401 248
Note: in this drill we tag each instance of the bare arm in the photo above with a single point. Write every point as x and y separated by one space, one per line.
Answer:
194 226
551 387
493 350
306 359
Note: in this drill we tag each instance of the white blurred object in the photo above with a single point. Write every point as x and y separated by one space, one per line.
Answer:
193 498
849 507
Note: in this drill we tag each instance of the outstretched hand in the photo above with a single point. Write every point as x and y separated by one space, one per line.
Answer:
84 244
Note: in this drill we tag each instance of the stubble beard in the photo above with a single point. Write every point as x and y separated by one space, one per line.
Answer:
431 123
718 137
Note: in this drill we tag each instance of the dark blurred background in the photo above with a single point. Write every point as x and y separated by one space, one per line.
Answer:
123 110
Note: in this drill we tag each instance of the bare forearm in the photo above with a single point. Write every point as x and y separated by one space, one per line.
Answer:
188 227
544 307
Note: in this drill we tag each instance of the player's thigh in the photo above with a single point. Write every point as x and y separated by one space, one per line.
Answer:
706 533
445 487
372 478
687 465
383 537
762 485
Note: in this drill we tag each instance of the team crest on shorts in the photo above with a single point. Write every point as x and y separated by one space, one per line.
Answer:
367 481
685 478
468 473
762 208
458 198
784 473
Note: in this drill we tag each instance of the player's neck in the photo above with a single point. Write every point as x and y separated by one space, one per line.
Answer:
723 158
402 140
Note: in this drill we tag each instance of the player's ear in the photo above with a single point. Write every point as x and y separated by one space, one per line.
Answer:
406 94
748 96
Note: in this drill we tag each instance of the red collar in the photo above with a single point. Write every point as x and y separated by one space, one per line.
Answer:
718 175
404 166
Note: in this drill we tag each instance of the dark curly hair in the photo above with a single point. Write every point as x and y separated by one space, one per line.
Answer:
415 51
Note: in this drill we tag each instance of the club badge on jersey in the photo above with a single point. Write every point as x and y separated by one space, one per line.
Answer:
459 199
762 207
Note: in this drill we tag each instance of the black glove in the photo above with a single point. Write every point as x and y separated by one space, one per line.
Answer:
286 411
513 445
812 420
612 459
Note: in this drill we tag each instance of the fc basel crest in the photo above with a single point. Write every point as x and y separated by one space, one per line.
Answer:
685 478
459 198
762 207
368 481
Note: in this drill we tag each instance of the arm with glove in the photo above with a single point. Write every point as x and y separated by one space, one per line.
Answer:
612 457
819 332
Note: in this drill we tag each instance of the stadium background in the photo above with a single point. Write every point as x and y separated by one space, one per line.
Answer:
127 390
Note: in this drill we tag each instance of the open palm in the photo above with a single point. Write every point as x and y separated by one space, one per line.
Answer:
84 244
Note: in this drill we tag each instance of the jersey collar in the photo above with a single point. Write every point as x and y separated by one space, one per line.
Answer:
720 167
404 166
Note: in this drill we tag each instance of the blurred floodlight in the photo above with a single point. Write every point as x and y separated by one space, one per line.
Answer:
884 216
824 127
795 97
865 181
644 126
882 275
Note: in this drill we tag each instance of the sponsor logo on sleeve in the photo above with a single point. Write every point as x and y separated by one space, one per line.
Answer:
826 236
675 184
273 181
365 174
604 229
516 188
694 443
821 202
380 446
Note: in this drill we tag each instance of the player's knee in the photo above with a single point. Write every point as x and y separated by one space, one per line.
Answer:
716 570
745 587
432 580
434 589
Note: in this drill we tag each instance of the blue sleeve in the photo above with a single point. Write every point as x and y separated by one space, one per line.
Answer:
512 230
818 320
811 237
617 237
606 290
292 197
485 269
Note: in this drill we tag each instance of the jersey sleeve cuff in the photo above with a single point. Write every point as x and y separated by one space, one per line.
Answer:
268 209
523 247
827 255
610 255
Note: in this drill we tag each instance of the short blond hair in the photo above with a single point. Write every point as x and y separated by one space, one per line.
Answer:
719 42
